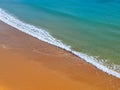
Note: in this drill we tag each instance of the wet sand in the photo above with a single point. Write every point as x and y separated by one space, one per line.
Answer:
30 64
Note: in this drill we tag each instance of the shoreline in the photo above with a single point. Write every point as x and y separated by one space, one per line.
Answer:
42 35
26 61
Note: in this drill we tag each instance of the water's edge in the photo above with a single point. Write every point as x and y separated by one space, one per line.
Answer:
46 37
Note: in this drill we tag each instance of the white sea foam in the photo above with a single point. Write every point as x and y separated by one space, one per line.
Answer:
46 37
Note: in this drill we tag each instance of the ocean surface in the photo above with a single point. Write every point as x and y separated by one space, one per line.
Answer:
89 29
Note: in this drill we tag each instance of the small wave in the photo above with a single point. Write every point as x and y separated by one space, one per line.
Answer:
46 37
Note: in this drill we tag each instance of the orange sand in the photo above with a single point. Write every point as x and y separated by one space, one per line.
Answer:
30 64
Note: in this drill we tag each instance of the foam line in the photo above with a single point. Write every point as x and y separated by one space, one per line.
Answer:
46 37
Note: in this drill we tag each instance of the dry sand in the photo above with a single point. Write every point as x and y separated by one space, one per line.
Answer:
30 64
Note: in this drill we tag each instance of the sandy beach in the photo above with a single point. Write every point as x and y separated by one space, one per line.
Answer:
27 63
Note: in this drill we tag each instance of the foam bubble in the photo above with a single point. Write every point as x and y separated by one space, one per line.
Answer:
46 37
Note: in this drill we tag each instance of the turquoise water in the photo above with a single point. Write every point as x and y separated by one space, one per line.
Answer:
88 26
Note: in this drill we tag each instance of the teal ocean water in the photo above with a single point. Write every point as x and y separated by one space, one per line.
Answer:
91 27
